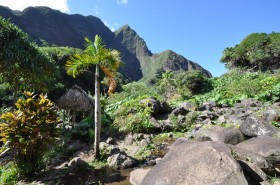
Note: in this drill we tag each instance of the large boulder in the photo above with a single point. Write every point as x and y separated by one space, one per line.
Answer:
156 106
230 135
253 127
254 158
183 109
77 163
252 172
136 176
121 161
266 146
196 163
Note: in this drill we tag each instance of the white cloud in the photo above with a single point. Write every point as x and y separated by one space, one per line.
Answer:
113 27
122 1
61 5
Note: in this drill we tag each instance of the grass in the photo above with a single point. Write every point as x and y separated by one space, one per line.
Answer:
99 164
274 179
167 137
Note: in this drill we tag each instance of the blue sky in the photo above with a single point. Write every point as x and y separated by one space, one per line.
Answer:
197 29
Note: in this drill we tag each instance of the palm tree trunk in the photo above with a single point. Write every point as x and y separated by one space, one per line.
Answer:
97 114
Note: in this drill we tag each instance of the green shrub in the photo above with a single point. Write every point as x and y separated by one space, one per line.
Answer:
29 130
83 130
193 82
186 124
237 85
60 150
8 175
127 111
132 116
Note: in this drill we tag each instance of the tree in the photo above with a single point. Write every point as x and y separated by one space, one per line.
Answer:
109 61
22 66
258 51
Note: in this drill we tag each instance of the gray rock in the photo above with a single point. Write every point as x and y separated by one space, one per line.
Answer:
208 106
144 142
158 160
128 140
166 125
221 119
200 136
229 135
266 146
77 163
111 141
267 183
254 127
181 119
188 106
207 121
234 120
196 163
238 105
271 114
136 176
250 102
252 157
156 106
151 162
121 161
179 111
252 172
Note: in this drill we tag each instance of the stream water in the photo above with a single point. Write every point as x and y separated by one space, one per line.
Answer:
103 176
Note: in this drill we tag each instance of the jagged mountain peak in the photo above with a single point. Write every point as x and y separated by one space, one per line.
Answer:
132 41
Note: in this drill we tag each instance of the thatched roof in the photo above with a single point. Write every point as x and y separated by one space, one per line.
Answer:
76 99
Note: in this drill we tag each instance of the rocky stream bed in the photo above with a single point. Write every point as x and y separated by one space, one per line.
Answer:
226 145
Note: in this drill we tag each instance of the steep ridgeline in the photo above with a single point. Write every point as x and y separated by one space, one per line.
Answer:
154 64
46 26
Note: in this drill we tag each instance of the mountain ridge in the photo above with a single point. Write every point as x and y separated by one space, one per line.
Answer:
45 25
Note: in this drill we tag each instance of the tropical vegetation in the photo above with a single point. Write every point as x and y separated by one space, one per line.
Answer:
34 131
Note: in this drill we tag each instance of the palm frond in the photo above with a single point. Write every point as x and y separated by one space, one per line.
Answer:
111 59
111 82
78 63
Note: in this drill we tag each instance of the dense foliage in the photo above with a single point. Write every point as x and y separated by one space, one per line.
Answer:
237 85
258 51
126 110
29 130
22 66
182 84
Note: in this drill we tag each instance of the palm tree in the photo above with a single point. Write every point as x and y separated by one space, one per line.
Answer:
108 61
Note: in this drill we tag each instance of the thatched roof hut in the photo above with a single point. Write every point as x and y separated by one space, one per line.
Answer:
76 99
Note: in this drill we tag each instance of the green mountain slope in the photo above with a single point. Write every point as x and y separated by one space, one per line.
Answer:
46 26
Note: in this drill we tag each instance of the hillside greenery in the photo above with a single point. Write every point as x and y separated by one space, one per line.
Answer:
257 52
23 67
31 126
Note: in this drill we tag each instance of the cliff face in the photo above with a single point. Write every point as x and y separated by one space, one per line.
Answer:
47 26
153 64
